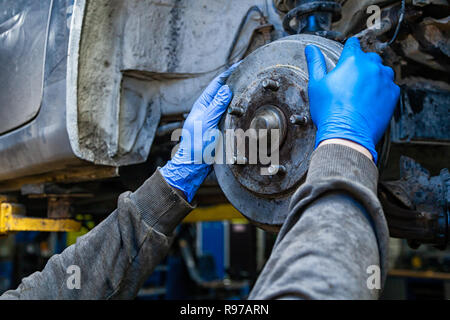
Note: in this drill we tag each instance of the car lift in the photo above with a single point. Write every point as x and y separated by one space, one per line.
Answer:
13 219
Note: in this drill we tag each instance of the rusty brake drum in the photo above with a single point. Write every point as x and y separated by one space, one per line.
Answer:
270 92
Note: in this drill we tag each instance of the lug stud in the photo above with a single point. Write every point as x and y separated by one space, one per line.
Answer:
239 160
270 84
236 111
276 169
299 120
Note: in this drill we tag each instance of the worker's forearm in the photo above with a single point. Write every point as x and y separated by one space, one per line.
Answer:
326 245
118 255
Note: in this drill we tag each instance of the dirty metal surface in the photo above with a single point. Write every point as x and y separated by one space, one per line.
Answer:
417 205
290 100
153 59
424 115
270 92
72 175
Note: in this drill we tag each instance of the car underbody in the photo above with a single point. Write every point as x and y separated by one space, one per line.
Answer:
92 91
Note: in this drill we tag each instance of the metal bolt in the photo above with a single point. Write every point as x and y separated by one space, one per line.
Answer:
276 169
270 84
236 111
240 160
299 120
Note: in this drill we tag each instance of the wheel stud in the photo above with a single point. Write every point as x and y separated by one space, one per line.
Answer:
299 120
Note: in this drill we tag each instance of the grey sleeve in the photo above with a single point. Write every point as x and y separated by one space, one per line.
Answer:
335 238
118 255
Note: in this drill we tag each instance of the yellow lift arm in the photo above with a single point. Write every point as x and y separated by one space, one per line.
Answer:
12 219
215 213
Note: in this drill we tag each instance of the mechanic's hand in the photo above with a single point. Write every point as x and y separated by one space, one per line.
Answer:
187 169
356 100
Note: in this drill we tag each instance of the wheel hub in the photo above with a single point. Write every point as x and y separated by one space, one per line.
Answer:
270 93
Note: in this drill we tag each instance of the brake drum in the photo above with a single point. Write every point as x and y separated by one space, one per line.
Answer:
270 92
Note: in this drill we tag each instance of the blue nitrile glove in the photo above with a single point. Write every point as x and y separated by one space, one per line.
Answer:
187 169
356 100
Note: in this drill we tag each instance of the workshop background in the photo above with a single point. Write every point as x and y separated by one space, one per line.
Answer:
221 260
107 82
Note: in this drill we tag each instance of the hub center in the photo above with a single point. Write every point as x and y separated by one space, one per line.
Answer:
266 119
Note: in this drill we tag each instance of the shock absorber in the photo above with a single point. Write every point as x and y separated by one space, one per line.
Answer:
313 17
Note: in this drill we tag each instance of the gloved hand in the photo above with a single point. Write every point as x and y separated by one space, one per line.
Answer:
187 169
356 100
